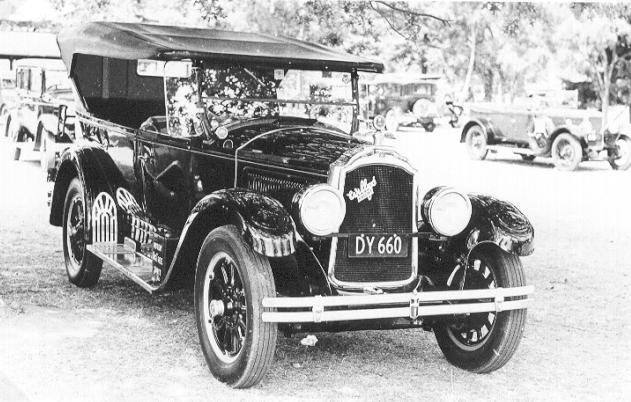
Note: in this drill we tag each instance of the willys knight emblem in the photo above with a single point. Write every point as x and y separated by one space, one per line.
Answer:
365 190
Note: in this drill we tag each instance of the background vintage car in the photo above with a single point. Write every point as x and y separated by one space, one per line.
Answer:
567 135
404 99
33 119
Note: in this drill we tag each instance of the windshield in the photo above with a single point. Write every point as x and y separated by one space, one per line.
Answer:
57 79
233 94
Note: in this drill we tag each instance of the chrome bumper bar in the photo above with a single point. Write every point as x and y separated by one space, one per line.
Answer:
412 305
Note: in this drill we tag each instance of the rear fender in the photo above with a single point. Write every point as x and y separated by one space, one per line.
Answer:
95 169
486 125
565 129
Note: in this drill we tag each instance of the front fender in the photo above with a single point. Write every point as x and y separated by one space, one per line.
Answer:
263 222
95 169
499 222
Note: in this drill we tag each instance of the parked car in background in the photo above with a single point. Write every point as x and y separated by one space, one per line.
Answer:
405 100
231 159
8 97
569 136
33 120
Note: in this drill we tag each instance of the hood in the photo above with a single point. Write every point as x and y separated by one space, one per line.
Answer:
299 143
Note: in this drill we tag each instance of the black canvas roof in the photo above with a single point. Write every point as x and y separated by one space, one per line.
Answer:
144 41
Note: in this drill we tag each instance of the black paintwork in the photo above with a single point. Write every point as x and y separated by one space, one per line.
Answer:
159 42
498 220
257 210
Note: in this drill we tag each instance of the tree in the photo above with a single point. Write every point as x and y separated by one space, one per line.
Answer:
598 38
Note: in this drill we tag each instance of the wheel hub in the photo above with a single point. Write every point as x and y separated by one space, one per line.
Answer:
225 312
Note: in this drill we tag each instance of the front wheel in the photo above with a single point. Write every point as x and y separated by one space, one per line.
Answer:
567 152
231 281
477 143
484 342
621 160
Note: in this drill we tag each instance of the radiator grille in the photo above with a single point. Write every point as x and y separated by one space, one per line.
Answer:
388 211
280 187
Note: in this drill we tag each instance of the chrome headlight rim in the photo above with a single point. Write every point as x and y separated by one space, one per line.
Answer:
430 200
303 198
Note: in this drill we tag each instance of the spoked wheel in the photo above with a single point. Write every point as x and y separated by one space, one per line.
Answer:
230 283
477 142
484 342
621 159
82 267
392 120
567 152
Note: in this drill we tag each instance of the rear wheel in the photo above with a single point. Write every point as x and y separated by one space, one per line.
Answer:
83 268
621 160
484 342
13 132
231 281
477 143
567 152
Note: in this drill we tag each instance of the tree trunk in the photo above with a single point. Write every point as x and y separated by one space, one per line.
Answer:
488 85
473 38
606 91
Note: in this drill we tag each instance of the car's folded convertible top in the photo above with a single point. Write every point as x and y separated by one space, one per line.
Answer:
142 41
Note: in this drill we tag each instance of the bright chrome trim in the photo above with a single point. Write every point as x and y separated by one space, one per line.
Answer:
411 305
373 155
314 188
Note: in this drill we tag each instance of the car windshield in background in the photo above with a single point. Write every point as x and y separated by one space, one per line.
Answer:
232 94
57 80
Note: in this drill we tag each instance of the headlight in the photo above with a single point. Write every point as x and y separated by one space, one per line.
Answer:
322 209
446 210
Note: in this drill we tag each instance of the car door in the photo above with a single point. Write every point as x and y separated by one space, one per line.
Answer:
163 168
29 110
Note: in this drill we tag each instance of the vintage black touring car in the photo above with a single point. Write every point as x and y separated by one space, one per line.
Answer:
231 159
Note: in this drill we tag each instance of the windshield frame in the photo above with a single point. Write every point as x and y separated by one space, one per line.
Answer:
199 71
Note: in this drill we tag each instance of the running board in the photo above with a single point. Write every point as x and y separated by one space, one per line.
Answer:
132 264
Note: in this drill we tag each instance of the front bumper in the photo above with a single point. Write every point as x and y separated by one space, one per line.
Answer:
412 305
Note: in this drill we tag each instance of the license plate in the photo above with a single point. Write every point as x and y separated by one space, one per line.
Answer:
380 246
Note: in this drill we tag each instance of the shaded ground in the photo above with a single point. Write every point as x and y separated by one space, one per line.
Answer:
115 342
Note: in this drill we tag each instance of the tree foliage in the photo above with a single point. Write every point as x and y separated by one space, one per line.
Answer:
490 50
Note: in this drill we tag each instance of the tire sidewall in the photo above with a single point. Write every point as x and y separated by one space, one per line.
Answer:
578 152
90 267
478 154
626 165
472 359
227 239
